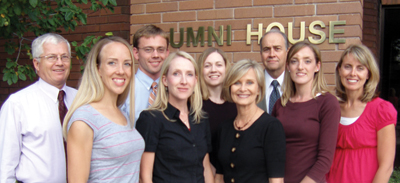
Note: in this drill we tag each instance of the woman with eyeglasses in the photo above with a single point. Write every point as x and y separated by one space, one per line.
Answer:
366 141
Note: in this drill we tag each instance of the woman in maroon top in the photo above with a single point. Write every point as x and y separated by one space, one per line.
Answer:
309 114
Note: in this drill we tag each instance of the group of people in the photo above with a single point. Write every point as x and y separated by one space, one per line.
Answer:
184 120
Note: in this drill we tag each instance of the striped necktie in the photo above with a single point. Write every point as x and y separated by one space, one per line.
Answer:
153 93
274 95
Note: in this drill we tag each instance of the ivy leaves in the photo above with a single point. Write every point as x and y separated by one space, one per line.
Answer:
19 17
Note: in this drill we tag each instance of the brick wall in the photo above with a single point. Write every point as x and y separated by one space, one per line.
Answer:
97 24
238 13
371 34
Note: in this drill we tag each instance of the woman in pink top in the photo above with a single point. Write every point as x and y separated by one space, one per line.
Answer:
366 139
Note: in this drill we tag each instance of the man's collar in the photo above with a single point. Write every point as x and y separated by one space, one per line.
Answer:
50 90
145 79
269 79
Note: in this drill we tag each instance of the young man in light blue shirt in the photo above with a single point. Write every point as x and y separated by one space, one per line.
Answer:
150 48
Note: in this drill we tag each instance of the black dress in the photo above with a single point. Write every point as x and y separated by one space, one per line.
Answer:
217 114
179 152
252 155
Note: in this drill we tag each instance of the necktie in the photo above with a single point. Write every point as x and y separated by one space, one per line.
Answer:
153 93
274 95
62 109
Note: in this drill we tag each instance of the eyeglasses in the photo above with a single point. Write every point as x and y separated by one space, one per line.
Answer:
54 58
151 49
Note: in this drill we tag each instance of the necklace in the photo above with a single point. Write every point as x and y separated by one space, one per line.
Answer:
240 128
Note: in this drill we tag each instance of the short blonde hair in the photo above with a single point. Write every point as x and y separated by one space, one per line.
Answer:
319 84
366 58
200 64
237 71
161 101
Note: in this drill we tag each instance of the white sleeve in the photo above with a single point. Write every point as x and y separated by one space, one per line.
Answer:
10 141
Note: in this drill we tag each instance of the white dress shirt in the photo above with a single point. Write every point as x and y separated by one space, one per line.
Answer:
142 93
269 87
31 142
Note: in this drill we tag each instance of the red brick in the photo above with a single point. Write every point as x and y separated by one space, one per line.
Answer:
196 4
87 28
330 79
191 49
271 2
267 21
329 68
144 1
352 19
96 20
161 7
349 41
118 18
215 14
350 31
237 46
4 90
247 55
179 16
325 45
308 20
235 24
195 25
239 35
138 9
232 3
145 19
114 27
298 10
262 12
313 1
339 8
327 56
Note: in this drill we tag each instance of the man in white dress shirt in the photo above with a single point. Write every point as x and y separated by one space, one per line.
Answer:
31 142
150 48
273 48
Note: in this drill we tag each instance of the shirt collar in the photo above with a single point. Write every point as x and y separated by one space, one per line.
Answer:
173 113
269 79
50 90
145 79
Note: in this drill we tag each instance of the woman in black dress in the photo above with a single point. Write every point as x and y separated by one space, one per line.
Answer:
213 65
251 147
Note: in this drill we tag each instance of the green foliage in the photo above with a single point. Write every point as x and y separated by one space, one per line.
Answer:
82 50
18 17
395 178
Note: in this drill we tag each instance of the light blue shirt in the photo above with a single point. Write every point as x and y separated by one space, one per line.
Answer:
142 93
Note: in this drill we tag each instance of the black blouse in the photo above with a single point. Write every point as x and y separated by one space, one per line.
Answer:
217 114
179 152
252 155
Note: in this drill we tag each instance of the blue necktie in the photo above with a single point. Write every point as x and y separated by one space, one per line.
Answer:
274 95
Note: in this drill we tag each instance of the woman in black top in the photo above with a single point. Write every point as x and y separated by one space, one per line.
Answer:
176 134
251 147
213 64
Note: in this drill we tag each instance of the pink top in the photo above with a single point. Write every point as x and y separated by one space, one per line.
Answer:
356 150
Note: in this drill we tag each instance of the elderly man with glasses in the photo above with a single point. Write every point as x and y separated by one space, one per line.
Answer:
150 48
31 142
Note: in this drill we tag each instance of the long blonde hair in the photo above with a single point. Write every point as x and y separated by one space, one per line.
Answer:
91 87
319 84
366 58
200 64
161 102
